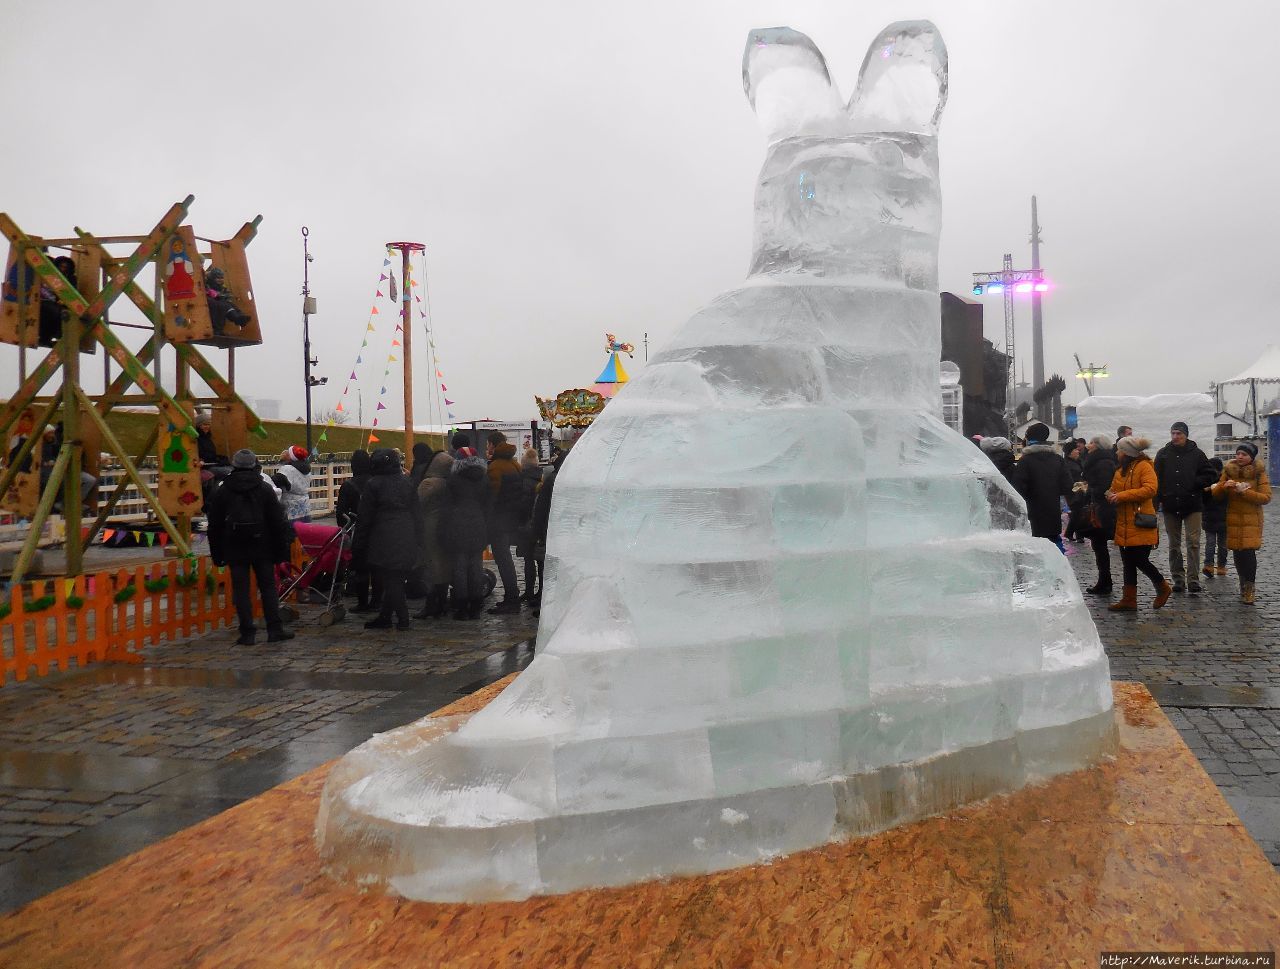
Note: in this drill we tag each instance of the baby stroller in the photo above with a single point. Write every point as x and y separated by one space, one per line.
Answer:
328 552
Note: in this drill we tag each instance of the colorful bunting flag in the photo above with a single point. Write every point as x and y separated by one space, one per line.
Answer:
395 343
382 277
339 407
374 439
378 293
163 539
448 402
353 375
374 312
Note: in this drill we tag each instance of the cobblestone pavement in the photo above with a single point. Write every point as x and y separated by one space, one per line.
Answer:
99 762
1213 663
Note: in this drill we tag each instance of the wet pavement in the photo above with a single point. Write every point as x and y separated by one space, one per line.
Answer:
1213 664
98 763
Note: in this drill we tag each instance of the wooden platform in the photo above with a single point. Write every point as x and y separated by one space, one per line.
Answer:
1142 853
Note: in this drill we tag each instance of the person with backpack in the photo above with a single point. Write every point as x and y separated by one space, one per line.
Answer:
530 481
249 532
293 478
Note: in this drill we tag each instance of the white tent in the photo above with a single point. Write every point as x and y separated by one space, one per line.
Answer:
1252 388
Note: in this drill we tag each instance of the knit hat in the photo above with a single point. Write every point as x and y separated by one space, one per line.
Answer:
294 452
1133 446
1179 426
460 440
1038 432
244 459
990 444
1247 448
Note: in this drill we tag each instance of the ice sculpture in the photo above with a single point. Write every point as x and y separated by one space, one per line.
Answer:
784 603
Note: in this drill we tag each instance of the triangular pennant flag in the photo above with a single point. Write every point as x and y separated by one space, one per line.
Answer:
375 422
417 297
163 539
395 343
345 389
443 387
399 328
324 436
381 406
413 282
386 262
137 536
108 534
378 293
360 359
374 310
451 417
369 329
353 375
382 277
339 407
393 359
448 402
383 390
432 344
374 439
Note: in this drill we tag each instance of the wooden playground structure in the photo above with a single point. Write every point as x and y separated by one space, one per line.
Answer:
59 304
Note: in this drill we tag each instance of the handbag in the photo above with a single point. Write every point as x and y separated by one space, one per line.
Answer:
1144 519
1090 520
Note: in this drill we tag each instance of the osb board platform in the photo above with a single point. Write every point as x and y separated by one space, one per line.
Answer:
1140 853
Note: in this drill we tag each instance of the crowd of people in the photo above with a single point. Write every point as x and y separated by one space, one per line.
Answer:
430 527
1113 492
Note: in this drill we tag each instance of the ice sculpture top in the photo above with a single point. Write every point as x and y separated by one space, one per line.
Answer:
814 214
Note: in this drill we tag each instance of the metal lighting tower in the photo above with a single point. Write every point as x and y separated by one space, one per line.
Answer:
308 307
1007 282
1037 320
1084 373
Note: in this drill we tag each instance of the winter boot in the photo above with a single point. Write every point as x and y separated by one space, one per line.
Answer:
476 608
247 637
429 609
280 635
1208 572
1100 588
1220 570
1128 601
1162 595
1246 593
505 607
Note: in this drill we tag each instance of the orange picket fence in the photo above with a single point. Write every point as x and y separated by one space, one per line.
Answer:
109 616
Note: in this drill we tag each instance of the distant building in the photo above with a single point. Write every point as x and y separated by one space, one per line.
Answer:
983 368
265 407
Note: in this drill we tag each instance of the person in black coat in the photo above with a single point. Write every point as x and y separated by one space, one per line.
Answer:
1041 478
1099 471
1182 474
345 512
389 535
249 532
542 520
1214 522
465 530
1000 452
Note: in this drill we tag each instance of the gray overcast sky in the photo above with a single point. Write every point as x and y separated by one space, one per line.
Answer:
579 167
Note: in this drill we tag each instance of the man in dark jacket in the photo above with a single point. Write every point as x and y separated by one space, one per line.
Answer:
464 529
505 492
1041 478
1099 472
542 520
1182 474
389 534
248 532
345 512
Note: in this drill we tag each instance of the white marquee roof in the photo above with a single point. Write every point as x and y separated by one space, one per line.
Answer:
1266 369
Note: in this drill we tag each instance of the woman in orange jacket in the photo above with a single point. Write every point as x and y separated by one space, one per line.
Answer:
1245 484
1132 491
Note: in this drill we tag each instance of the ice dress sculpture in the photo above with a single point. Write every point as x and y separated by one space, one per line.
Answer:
784 604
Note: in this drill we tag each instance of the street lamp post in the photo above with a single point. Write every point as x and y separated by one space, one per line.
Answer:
308 307
1085 373
1007 282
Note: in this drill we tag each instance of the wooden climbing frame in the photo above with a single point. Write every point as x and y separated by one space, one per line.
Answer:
33 278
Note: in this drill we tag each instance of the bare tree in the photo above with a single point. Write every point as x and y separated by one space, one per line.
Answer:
336 416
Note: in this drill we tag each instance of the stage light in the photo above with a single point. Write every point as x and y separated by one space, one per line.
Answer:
977 290
1022 288
1042 287
996 288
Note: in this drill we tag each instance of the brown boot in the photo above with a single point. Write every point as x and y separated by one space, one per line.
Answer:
1162 595
1128 601
1246 593
1220 570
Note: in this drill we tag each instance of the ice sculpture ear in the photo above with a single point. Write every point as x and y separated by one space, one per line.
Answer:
903 82
787 83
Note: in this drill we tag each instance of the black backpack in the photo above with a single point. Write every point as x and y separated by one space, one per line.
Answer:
245 521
